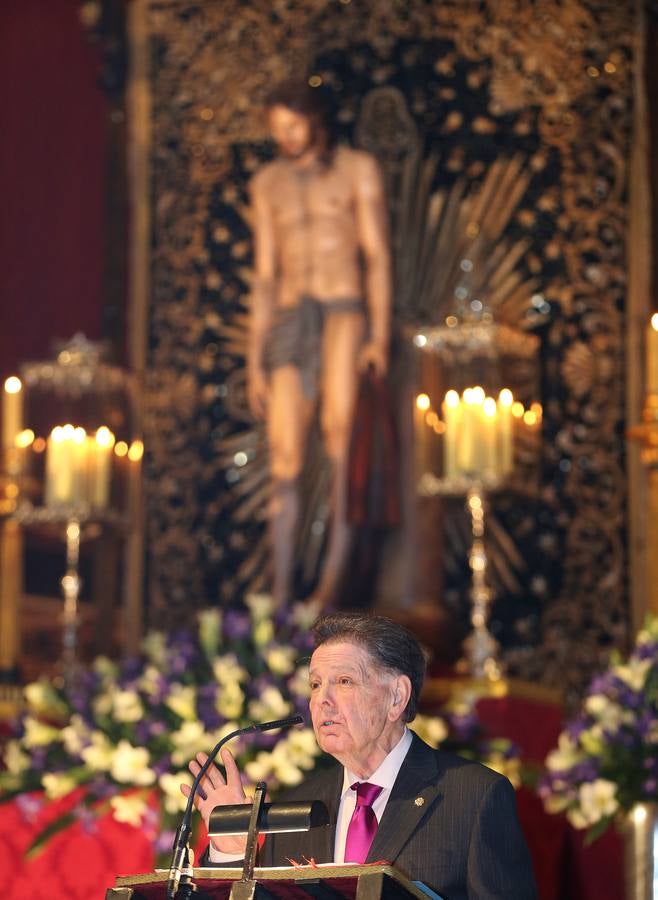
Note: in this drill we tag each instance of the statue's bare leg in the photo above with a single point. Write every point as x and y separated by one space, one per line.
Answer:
288 416
343 336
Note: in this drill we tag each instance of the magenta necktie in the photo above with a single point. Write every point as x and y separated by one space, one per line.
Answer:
363 824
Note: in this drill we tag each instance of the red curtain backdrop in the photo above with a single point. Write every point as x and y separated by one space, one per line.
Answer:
52 156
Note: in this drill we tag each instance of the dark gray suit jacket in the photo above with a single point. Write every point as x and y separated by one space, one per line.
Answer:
464 840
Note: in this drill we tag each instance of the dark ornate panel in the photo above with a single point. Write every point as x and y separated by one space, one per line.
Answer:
540 94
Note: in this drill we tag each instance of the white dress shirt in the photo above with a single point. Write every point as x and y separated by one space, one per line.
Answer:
384 776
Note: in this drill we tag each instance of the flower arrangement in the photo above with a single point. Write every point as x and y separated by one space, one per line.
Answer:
122 733
127 730
607 756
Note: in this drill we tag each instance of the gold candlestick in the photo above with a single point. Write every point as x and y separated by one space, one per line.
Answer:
646 435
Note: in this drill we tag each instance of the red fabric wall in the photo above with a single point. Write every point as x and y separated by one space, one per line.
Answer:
52 148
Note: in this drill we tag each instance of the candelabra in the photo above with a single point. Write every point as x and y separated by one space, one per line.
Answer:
477 426
68 429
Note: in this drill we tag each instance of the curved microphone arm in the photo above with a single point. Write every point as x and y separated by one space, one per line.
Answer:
181 840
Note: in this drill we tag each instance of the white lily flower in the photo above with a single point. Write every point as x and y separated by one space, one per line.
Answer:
170 782
281 660
634 672
597 799
76 735
99 754
129 808
127 706
261 606
57 785
182 700
15 760
37 734
270 705
130 765
188 741
566 755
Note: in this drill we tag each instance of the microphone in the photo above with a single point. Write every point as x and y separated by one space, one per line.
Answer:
180 850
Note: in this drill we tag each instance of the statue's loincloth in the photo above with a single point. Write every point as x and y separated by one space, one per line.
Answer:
295 337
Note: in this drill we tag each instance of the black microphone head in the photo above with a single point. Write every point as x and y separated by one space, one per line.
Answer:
281 723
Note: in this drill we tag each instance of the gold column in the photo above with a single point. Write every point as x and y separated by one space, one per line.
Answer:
643 583
646 435
11 591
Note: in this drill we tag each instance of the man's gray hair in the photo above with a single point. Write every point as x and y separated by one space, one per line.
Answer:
393 647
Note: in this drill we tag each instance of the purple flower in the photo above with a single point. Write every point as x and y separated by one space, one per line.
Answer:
29 807
164 841
86 818
237 624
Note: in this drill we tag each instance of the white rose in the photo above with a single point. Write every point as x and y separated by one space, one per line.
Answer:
130 765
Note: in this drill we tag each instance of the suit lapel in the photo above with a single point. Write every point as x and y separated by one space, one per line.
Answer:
413 795
329 793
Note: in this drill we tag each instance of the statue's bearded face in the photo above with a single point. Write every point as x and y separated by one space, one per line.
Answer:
293 132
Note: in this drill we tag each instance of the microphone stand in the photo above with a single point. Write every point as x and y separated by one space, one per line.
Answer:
180 869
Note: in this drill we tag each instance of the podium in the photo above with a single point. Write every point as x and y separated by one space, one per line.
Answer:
324 882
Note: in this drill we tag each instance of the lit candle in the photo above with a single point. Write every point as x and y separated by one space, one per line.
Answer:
490 438
12 411
101 447
452 417
652 355
421 433
467 437
79 463
478 451
505 444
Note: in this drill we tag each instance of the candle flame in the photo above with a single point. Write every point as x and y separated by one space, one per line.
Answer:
104 437
136 451
121 448
423 402
13 385
452 399
24 438
530 417
489 407
518 409
654 321
506 397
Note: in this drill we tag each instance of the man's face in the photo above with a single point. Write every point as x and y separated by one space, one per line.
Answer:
351 703
292 131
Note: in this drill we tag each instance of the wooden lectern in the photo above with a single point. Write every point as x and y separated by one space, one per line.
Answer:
325 882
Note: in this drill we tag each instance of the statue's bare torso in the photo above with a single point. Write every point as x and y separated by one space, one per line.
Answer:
314 222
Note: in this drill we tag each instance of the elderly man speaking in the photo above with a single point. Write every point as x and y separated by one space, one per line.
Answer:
436 817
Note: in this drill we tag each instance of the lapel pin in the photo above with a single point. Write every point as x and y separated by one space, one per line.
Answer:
419 801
